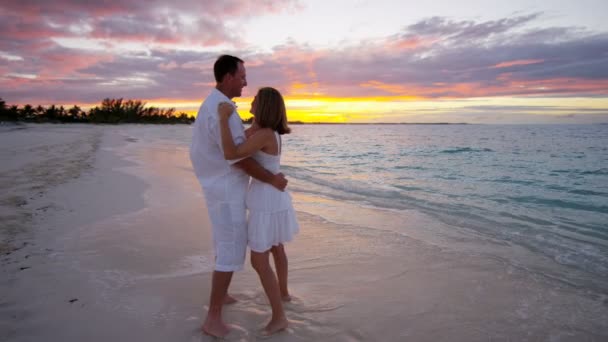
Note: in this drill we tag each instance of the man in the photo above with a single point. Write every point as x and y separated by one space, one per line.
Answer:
224 185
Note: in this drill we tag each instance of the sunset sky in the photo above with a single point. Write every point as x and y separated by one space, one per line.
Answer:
516 61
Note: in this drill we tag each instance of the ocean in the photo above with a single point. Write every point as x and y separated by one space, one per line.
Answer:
532 196
542 189
535 196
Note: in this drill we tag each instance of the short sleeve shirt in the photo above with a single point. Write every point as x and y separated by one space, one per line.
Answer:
206 152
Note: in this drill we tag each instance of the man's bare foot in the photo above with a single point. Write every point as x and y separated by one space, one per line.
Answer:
286 298
215 327
229 299
275 326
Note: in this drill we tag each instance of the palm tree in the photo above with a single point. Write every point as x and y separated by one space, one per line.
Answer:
110 111
3 111
61 113
50 113
39 110
12 113
27 112
76 114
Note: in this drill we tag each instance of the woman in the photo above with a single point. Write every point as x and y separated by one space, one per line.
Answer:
271 220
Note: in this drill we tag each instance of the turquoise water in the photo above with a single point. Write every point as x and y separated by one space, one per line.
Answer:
540 187
534 197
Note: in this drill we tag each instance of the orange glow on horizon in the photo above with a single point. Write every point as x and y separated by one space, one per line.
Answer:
404 102
332 109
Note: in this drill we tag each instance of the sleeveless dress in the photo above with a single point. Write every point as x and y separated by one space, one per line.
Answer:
272 219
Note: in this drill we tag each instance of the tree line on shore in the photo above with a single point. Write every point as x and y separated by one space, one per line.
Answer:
110 111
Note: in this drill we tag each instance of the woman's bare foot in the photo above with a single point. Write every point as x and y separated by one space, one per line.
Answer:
275 326
229 299
286 298
215 327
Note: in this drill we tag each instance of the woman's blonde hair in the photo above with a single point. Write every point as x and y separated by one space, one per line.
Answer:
270 110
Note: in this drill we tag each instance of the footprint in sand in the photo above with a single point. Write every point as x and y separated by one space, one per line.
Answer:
296 305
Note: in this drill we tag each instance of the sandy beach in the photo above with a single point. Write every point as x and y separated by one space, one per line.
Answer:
105 236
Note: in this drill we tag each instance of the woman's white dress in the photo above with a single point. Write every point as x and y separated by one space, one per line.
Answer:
272 219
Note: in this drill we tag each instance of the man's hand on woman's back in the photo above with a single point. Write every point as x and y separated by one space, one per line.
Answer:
279 182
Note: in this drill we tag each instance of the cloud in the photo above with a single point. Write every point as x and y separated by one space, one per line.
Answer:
194 22
74 50
518 62
458 31
464 59
84 51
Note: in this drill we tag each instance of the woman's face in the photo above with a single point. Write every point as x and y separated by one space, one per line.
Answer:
253 106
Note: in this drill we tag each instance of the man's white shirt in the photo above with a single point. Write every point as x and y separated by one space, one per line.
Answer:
206 152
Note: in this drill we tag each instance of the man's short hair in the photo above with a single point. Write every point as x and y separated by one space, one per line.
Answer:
225 64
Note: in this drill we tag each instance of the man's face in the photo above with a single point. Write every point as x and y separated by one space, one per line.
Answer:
238 81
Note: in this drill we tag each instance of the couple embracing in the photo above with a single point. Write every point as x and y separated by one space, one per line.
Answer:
239 171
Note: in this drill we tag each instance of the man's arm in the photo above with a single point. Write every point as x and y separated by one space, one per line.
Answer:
255 170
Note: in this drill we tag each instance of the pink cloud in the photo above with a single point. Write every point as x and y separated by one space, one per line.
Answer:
518 62
435 58
130 20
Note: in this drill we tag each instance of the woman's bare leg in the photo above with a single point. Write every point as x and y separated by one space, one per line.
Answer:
281 264
261 264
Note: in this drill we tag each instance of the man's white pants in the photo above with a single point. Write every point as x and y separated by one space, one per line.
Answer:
228 215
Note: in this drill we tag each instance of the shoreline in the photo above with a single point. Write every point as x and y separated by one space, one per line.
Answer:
129 241
297 123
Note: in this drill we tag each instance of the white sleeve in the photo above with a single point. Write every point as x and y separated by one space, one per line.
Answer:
238 133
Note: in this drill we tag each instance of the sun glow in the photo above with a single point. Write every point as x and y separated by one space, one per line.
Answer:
399 109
